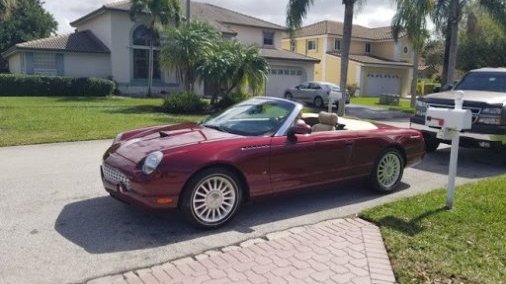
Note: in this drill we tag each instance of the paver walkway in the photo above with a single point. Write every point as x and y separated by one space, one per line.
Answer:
336 251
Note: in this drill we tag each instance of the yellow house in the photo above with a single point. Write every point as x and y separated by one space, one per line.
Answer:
378 65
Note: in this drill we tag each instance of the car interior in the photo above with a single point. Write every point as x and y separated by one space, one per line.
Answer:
325 121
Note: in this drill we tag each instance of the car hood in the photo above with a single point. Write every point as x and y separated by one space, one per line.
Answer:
169 138
491 98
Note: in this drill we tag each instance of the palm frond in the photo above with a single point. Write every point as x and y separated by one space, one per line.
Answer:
496 9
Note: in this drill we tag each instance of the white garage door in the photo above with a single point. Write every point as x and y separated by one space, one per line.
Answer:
383 83
283 78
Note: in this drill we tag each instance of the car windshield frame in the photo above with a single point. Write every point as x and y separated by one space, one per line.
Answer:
491 76
221 121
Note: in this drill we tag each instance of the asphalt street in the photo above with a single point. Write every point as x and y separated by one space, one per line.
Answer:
57 224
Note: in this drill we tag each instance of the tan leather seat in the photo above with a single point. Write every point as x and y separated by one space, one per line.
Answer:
328 122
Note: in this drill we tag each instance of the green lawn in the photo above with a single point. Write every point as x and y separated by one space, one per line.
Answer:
404 105
32 120
428 244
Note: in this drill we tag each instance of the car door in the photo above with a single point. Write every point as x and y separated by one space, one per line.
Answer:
312 93
301 91
333 153
291 164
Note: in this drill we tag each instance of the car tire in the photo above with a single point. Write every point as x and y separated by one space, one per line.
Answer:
289 96
318 102
431 144
388 171
211 198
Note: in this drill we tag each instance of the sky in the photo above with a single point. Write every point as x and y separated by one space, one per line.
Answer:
375 13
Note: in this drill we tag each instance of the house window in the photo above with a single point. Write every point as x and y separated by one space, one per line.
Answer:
269 38
141 64
45 64
337 44
367 48
406 50
141 40
311 45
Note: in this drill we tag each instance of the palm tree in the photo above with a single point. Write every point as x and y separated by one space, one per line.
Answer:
233 66
154 14
297 10
185 48
448 15
411 19
6 7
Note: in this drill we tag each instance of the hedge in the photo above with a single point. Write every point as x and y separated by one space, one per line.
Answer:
48 86
184 103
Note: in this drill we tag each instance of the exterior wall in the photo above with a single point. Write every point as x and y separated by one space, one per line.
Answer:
408 57
254 36
101 27
87 65
15 63
334 70
384 49
403 72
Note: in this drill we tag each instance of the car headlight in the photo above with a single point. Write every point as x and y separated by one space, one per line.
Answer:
152 162
493 120
492 111
421 104
421 108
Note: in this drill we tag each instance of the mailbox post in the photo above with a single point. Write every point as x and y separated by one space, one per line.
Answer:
452 122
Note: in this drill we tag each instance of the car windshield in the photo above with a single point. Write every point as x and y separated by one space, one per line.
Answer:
484 81
255 117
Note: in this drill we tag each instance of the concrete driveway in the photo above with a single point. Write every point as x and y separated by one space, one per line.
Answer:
58 225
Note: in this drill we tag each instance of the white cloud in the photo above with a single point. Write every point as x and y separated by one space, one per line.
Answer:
373 14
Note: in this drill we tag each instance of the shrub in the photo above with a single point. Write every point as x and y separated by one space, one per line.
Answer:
15 85
184 103
231 99
352 89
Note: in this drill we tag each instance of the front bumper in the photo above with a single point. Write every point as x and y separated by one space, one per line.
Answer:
120 181
470 139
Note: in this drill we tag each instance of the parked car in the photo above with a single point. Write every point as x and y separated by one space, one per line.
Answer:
316 93
485 95
260 147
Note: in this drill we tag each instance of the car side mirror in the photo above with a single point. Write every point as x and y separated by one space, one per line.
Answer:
300 128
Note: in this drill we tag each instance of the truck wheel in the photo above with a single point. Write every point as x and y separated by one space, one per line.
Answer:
431 144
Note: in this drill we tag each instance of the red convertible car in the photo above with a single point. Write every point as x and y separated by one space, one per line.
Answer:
260 147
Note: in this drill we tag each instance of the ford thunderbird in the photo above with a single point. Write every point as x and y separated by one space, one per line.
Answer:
260 147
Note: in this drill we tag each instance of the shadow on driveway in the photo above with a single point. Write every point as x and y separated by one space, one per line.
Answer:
104 225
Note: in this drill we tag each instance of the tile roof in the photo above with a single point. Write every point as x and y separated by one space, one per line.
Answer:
336 28
84 41
367 59
272 53
203 11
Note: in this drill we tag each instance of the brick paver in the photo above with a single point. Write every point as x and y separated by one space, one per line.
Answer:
336 251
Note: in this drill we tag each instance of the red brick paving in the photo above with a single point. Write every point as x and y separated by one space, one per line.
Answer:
336 251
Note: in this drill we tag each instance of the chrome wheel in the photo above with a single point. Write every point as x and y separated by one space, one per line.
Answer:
389 170
214 199
318 102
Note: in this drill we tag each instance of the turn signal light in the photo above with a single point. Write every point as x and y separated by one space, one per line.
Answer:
164 200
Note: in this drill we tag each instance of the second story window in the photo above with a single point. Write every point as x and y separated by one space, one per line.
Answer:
269 38
367 48
337 44
311 45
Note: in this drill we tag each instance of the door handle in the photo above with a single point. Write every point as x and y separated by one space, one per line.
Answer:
348 142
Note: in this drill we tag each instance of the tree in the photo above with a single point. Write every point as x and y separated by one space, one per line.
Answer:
298 9
6 7
28 21
448 15
154 14
411 18
233 66
483 41
185 48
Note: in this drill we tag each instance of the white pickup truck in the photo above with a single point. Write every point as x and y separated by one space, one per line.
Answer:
485 95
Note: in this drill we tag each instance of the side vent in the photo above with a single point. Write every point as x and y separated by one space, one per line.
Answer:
255 147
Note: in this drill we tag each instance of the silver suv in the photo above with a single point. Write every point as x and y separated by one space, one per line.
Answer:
485 95
316 93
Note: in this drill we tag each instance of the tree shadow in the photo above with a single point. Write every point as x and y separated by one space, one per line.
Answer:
104 225
410 228
140 109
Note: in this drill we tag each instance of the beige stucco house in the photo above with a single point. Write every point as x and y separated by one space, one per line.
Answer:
107 43
378 64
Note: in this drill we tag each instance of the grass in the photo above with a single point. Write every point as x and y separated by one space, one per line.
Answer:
403 106
34 120
428 244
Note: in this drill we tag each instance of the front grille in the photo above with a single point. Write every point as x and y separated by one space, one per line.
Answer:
115 176
474 110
